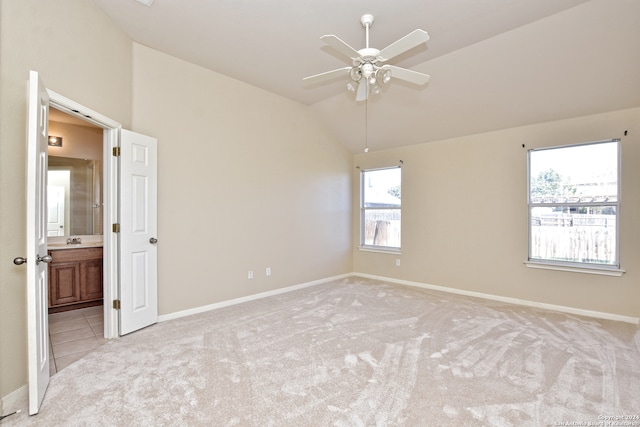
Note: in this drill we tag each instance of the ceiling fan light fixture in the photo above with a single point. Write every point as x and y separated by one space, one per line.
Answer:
386 76
368 71
355 74
352 86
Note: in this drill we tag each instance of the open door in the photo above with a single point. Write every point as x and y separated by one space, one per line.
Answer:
138 232
37 256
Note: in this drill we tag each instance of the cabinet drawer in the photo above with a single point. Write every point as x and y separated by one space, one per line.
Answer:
81 254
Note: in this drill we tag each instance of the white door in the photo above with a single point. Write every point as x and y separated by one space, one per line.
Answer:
55 219
37 257
138 232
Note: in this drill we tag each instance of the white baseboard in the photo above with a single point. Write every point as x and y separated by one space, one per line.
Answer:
516 301
235 301
553 307
15 399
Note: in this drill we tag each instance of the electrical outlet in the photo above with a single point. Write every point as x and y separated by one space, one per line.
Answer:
250 274
397 262
268 271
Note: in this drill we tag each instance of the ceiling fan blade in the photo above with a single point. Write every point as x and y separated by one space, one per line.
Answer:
407 75
340 46
329 75
363 90
411 40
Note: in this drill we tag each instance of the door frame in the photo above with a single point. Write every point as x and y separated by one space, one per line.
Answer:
111 193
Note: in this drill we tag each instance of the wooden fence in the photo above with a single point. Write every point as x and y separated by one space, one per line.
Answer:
575 237
382 228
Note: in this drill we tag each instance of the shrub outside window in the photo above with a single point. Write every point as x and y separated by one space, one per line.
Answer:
574 195
381 208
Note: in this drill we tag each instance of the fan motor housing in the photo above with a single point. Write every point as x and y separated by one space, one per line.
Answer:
368 54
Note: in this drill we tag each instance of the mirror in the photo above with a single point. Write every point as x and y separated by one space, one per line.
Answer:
74 196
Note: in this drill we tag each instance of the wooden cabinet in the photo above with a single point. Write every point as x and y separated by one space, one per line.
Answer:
75 278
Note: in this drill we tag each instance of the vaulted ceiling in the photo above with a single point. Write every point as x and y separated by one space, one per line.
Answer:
494 64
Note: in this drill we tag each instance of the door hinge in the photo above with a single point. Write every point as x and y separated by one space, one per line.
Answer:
116 151
116 304
115 228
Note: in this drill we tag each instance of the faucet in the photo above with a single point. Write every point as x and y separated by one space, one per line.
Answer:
74 241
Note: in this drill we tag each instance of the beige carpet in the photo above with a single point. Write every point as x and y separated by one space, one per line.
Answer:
355 352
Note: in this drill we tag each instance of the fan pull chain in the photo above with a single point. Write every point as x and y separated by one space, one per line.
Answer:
366 121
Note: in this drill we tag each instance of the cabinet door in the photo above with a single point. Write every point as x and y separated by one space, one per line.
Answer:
91 280
64 281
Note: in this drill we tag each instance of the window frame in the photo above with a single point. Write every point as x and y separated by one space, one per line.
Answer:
369 247
613 269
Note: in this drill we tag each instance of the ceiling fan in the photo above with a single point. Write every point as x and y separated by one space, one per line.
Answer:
369 64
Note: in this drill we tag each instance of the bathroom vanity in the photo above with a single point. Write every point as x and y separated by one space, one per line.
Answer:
75 277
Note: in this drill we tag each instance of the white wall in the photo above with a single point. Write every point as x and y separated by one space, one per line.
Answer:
464 216
247 180
78 142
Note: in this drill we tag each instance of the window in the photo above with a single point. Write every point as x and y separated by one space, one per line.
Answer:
380 208
574 194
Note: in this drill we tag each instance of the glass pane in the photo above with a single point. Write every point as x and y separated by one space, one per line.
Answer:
382 227
583 234
381 188
581 173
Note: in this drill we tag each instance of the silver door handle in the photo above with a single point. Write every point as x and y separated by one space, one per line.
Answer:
19 260
153 240
46 258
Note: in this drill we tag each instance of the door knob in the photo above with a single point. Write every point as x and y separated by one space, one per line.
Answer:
153 240
46 258
19 260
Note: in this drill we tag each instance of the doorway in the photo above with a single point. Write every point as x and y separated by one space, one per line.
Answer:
67 111
75 236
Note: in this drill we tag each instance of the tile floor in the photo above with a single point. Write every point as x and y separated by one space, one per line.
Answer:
73 335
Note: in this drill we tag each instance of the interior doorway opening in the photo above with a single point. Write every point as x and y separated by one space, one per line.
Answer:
102 196
75 218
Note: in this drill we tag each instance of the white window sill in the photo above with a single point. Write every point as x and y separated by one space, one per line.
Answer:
605 271
381 249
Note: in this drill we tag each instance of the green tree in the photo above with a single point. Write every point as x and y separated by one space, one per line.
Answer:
395 191
550 183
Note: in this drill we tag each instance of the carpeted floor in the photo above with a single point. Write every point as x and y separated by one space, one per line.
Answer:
356 352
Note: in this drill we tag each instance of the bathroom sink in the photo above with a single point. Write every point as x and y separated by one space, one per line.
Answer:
75 242
56 246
